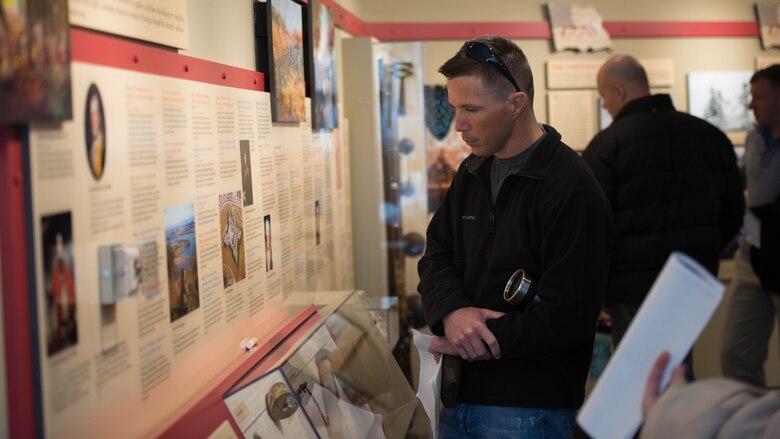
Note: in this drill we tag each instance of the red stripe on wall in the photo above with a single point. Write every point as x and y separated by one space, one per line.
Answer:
532 29
628 29
346 21
95 48
541 29
458 31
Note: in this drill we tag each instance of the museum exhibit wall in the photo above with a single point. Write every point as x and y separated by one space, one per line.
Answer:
125 349
223 33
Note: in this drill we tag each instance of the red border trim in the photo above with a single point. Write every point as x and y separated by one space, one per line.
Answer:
16 290
533 29
458 31
628 29
95 48
346 20
541 29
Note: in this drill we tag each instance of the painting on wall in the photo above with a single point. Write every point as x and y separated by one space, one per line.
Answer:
34 61
279 49
721 98
321 65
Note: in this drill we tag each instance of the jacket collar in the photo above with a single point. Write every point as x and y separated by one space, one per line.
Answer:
536 163
647 104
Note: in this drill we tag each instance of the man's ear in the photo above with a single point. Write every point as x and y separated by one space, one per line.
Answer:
620 92
519 102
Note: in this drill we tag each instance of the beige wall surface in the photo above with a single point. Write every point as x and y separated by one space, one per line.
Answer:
687 53
222 32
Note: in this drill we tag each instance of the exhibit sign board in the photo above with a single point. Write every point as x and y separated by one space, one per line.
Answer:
169 222
162 22
769 21
576 27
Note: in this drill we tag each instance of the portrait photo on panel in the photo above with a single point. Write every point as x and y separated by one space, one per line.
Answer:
246 173
59 282
317 233
95 132
269 259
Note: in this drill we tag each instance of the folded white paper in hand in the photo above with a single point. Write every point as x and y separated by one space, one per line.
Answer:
675 311
429 383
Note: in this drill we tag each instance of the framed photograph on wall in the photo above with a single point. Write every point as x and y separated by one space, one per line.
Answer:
319 31
721 98
280 55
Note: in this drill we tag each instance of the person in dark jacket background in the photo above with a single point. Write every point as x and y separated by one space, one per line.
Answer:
673 183
521 200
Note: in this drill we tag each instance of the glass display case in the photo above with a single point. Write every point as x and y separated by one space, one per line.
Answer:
340 380
384 312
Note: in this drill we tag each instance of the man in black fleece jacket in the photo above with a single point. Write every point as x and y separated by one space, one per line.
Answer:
521 200
672 180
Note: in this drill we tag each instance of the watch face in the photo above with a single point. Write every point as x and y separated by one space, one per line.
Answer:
517 287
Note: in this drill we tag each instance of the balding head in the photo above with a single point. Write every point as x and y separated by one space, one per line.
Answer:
621 79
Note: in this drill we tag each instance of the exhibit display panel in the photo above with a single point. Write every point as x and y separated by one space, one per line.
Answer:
170 220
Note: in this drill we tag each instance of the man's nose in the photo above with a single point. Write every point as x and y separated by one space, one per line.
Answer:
460 123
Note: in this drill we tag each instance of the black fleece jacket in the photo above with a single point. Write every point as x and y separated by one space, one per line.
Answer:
552 220
673 183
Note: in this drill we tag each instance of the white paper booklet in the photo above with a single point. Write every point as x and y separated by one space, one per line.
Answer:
429 387
674 313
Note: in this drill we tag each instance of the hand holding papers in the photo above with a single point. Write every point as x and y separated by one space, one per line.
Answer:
675 311
429 383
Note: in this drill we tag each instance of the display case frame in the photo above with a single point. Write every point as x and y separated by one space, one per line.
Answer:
339 380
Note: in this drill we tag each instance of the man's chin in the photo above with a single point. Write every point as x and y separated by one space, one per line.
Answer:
480 152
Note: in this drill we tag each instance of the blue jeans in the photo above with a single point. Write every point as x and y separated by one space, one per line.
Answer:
482 421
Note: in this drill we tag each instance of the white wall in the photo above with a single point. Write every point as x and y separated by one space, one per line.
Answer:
222 31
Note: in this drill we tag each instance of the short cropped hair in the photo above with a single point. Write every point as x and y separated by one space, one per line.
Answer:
508 52
771 74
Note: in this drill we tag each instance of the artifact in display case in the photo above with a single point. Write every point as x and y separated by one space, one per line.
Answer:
339 381
384 312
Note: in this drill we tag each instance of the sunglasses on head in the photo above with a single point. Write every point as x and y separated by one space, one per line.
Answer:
483 52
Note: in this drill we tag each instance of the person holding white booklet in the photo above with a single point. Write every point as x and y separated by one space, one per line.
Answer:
676 310
709 408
